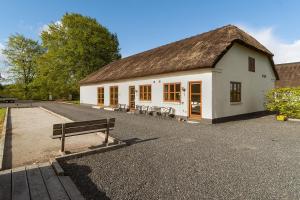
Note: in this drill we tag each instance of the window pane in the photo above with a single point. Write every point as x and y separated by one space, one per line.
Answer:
178 87
166 88
149 88
195 88
166 96
172 88
149 96
177 96
172 96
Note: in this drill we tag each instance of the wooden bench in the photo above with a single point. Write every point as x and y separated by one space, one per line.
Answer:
71 129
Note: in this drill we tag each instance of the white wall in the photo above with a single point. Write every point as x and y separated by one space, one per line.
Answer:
234 67
88 94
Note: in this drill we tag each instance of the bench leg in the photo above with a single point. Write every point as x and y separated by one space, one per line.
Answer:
62 150
107 132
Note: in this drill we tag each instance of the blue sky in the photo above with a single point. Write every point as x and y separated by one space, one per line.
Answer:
141 25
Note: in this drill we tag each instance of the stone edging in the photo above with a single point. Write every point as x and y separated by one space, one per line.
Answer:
55 114
60 171
3 136
293 120
92 151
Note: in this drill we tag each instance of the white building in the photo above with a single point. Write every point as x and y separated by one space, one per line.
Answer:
215 76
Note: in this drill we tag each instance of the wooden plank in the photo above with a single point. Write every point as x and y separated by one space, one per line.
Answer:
5 184
85 128
57 126
20 190
85 123
57 168
54 187
81 133
37 188
81 127
70 188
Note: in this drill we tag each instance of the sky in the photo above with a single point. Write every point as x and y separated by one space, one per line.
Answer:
142 25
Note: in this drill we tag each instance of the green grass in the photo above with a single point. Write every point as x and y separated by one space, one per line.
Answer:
2 116
74 101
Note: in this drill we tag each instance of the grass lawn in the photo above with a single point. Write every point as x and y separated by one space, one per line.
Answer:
2 115
74 101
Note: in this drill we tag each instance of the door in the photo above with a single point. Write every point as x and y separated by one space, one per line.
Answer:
195 100
131 97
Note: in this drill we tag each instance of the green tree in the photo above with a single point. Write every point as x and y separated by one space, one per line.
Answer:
22 54
76 46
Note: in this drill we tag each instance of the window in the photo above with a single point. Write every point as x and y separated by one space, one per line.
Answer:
251 64
172 92
114 96
235 92
100 95
145 92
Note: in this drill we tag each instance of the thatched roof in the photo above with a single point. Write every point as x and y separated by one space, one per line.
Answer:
200 51
289 75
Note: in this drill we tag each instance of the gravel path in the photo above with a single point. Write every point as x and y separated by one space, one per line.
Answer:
28 140
250 159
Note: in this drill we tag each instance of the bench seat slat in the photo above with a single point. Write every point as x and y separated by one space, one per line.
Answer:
82 127
81 133
85 123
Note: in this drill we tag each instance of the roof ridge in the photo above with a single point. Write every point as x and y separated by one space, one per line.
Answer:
288 63
199 51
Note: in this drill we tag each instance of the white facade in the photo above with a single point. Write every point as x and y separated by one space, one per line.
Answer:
234 67
88 94
215 86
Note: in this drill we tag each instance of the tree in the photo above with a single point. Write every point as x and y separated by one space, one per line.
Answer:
76 46
22 54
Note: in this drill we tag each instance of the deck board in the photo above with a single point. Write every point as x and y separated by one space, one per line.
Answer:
38 190
36 182
70 188
5 184
20 190
54 187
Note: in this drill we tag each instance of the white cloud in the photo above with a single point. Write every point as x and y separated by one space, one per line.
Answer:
3 64
283 51
45 27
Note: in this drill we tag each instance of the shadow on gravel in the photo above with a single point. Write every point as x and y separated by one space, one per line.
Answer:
7 157
80 175
138 140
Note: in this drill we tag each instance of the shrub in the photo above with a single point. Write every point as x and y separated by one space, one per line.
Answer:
285 101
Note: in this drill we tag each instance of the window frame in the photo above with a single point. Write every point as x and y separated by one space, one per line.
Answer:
113 96
168 92
145 94
251 64
100 95
235 92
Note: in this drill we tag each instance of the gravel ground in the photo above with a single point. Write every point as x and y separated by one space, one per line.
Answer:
249 159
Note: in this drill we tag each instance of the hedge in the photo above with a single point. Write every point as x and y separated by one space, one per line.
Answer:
285 101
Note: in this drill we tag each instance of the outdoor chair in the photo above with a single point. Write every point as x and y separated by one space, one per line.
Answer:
122 107
145 109
155 111
167 112
138 109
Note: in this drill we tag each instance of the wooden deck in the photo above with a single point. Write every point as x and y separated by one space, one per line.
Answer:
36 182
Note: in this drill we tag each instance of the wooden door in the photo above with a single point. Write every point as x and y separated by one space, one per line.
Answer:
195 100
131 97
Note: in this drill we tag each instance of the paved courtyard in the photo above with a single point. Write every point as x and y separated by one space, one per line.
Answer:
249 159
